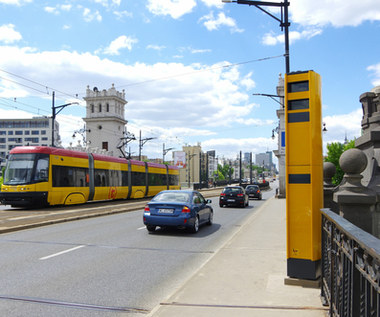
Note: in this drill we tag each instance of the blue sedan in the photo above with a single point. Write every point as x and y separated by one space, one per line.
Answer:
178 208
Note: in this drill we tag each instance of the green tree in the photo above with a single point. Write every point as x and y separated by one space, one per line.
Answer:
334 151
225 170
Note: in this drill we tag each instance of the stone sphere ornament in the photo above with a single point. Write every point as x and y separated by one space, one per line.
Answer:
353 161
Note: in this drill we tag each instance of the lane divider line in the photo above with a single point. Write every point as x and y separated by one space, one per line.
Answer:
62 252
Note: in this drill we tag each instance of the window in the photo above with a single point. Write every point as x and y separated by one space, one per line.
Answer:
101 178
157 179
298 86
27 132
138 179
105 146
67 176
10 132
35 132
2 140
92 108
3 132
43 132
100 107
18 132
298 104
108 107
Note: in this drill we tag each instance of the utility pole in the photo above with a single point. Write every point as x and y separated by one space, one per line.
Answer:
54 113
164 152
141 144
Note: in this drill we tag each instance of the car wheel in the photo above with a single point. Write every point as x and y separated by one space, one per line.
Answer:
195 227
151 228
210 219
221 205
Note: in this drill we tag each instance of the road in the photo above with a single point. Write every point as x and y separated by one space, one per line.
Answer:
105 266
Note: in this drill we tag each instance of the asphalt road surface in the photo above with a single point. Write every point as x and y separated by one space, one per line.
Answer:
106 266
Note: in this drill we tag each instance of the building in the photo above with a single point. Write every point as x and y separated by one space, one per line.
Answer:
190 174
280 152
265 159
105 123
21 132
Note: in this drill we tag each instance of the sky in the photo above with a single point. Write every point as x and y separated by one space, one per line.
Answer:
189 68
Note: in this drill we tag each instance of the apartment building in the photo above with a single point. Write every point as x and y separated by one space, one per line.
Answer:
21 132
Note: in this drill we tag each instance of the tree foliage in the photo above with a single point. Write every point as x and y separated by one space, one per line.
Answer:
334 151
224 171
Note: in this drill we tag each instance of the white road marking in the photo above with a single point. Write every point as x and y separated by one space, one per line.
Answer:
141 228
62 252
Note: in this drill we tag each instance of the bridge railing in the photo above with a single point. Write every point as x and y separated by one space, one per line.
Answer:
350 268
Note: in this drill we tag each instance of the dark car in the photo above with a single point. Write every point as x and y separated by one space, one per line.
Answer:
254 191
178 208
233 196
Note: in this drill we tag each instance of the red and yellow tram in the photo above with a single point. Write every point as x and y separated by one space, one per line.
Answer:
40 175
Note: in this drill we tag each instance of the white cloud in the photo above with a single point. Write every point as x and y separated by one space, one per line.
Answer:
174 8
337 13
376 70
108 3
212 23
272 39
156 47
123 14
195 98
56 10
15 2
213 3
120 43
8 34
90 16
340 125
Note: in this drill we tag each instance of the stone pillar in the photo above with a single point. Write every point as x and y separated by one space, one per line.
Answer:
329 171
356 202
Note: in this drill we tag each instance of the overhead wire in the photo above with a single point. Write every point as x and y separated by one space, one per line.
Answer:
46 87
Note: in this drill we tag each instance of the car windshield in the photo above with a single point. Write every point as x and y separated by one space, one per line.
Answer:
26 169
232 190
253 187
172 196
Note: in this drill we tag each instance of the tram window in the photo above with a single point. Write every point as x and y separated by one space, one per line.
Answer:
173 179
102 178
138 179
124 178
66 176
42 170
157 179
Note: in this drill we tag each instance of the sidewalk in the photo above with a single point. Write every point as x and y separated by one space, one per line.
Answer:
246 277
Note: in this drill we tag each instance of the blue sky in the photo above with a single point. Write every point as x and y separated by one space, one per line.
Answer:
188 67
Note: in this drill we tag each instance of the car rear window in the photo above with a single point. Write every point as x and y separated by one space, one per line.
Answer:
176 197
231 190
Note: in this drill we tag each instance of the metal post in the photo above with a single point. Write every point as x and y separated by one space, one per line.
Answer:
286 25
52 119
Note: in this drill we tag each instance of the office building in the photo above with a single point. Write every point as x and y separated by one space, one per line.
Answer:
21 132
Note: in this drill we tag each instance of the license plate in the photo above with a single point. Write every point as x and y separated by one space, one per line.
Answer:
231 200
165 211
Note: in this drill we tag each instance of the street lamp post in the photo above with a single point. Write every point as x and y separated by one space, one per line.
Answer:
284 20
54 114
164 152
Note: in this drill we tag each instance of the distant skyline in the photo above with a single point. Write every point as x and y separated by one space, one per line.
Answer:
189 68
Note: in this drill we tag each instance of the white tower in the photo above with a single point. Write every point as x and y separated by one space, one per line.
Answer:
105 118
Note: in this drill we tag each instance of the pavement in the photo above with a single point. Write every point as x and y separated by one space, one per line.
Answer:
247 276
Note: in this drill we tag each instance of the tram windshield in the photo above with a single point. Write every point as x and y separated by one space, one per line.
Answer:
26 169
